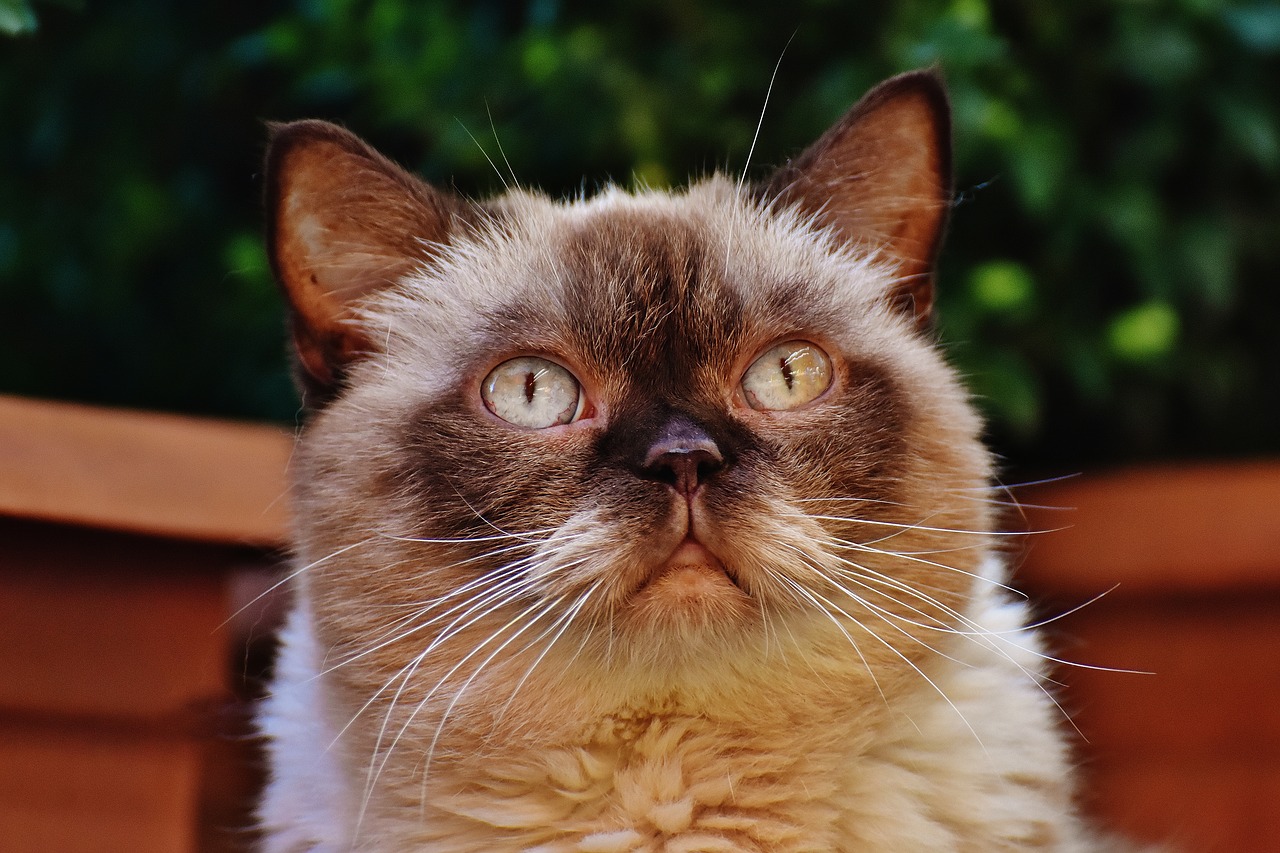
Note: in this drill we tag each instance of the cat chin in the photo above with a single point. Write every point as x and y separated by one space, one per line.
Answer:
691 591
689 600
689 584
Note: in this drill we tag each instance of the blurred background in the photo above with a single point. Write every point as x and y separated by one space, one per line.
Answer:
1109 285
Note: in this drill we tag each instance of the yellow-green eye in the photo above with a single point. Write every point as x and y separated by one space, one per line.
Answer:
532 392
786 376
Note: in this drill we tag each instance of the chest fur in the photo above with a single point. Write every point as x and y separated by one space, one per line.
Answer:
930 774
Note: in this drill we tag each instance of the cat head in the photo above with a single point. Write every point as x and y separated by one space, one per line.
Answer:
664 432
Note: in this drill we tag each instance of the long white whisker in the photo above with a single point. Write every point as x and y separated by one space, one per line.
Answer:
295 573
927 529
496 170
390 748
487 602
566 619
546 608
501 574
487 594
858 546
498 142
763 109
528 537
806 594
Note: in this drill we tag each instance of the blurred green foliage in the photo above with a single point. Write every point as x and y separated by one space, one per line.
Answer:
1109 285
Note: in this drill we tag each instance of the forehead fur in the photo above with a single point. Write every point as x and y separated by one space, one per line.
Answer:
635 279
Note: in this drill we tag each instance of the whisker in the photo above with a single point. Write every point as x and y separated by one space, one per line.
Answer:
405 673
1006 487
470 605
927 529
547 607
486 602
287 578
528 537
844 544
498 142
567 619
496 170
806 594
386 753
765 108
942 693
859 500
422 608
817 571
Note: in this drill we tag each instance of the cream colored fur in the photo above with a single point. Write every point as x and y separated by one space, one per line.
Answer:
969 762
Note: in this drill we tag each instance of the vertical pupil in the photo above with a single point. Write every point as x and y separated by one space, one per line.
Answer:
530 385
784 364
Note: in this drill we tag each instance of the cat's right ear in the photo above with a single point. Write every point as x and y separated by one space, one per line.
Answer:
880 181
343 222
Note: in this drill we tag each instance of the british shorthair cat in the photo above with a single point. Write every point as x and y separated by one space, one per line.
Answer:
649 521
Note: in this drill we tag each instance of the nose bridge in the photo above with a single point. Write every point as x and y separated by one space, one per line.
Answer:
680 435
669 422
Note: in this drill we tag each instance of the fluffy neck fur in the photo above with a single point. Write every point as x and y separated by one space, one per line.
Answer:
978 770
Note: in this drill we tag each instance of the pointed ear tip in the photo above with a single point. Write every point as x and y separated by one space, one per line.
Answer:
285 132
927 84
931 77
285 137
924 78
306 126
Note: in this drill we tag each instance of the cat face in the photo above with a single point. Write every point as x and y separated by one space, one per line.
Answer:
660 434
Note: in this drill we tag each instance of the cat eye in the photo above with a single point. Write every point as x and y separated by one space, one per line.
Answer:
532 392
787 376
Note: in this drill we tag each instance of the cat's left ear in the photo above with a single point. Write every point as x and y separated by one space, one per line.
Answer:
880 178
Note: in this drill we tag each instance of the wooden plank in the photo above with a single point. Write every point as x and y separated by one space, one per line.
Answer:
1213 688
77 791
1189 755
1158 531
149 473
1220 805
101 624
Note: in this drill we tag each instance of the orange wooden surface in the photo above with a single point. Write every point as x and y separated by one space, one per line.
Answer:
113 668
148 473
1214 676
82 790
1221 805
1157 530
1189 754
108 625
119 532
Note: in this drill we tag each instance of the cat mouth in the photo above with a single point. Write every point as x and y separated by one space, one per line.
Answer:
691 572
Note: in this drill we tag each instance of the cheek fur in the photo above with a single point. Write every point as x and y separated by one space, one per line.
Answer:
852 446
466 473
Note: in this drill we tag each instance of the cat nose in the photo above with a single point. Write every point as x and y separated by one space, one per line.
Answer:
683 457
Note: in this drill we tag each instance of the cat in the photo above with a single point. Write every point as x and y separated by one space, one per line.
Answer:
650 521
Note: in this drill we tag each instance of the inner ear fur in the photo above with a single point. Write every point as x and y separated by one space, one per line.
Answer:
880 179
343 222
